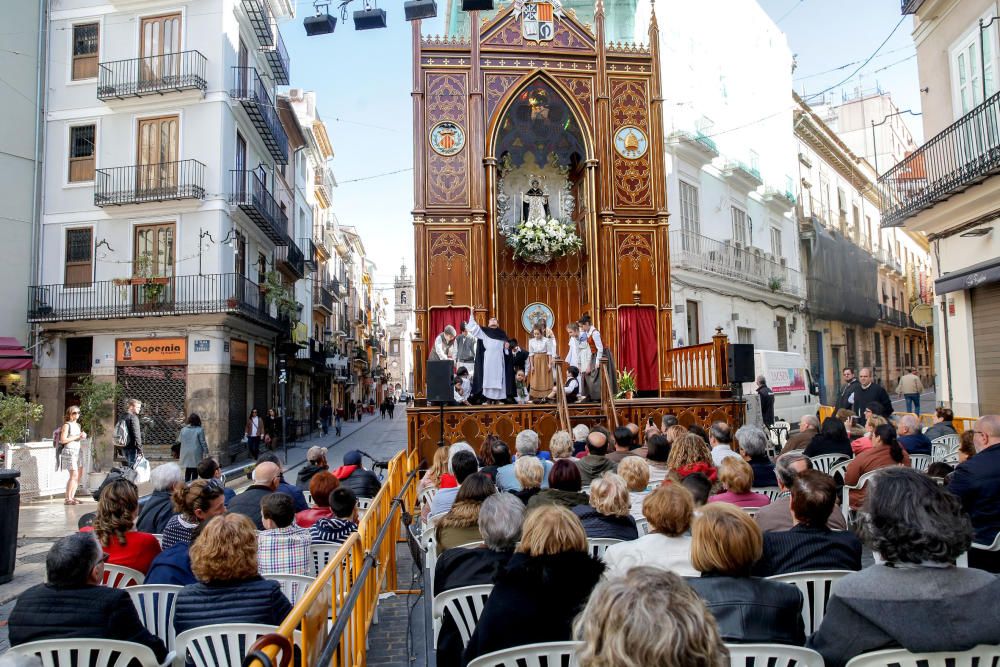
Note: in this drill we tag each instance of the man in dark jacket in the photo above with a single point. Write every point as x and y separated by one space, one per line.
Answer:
159 507
766 401
326 416
73 605
265 482
869 392
977 484
315 464
283 486
133 445
846 399
910 436
353 476
596 462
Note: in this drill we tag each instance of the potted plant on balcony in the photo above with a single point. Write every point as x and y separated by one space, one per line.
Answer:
97 400
275 292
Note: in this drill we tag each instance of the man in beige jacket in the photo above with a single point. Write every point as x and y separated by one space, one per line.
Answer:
910 388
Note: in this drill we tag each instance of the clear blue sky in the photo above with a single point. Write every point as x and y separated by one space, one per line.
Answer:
363 81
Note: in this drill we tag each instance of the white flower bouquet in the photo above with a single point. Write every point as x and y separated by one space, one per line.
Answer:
539 241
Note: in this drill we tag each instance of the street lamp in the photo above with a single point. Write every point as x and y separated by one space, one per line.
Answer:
882 122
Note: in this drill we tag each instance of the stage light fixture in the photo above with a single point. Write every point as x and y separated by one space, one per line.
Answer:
369 18
477 5
321 24
420 9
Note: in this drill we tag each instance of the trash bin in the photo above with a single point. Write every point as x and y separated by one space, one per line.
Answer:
10 503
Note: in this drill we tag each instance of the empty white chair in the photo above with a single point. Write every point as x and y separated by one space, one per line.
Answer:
845 504
978 656
464 605
292 585
643 526
155 604
772 655
554 654
824 462
119 576
598 545
103 652
750 511
989 547
944 447
322 553
920 461
815 586
221 645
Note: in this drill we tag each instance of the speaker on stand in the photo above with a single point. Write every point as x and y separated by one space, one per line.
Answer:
440 388
739 364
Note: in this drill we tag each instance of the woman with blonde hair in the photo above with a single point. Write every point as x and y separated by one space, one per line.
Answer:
725 543
230 588
528 471
561 445
114 527
616 625
432 478
635 471
669 510
70 460
690 453
544 585
865 442
737 476
609 512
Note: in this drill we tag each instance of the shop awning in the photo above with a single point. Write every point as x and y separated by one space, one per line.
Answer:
13 356
969 277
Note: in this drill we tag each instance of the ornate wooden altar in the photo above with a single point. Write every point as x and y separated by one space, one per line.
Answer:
537 98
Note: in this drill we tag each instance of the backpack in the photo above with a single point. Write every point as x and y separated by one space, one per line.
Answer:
121 433
113 474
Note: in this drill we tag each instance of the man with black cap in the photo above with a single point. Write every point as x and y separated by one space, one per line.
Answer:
353 476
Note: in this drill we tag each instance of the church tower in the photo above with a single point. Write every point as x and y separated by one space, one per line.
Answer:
401 332
403 303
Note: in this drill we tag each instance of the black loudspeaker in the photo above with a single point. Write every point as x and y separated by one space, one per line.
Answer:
440 381
369 19
420 9
321 24
740 362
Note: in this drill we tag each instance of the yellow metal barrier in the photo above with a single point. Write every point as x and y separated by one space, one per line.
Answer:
331 595
826 411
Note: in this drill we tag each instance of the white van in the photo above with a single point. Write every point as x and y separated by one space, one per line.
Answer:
788 376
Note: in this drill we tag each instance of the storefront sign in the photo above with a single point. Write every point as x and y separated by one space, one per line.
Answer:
150 351
239 352
261 356
202 345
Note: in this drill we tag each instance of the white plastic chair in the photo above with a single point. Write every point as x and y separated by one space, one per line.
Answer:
464 605
988 547
920 461
845 504
309 498
364 504
322 552
103 652
598 545
815 586
750 511
532 655
824 462
470 545
119 576
981 656
772 655
155 605
292 585
159 538
221 645
772 492
944 447
839 468
427 495
642 525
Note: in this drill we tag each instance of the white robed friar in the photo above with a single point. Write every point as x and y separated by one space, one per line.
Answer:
494 385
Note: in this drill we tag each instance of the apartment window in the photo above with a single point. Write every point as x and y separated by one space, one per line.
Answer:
261 268
776 242
395 347
841 201
79 257
85 37
744 335
741 232
690 224
968 70
782 334
878 350
82 148
899 351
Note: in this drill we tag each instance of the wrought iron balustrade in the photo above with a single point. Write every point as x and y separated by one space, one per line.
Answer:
310 252
322 298
249 90
142 183
291 257
250 194
152 75
277 56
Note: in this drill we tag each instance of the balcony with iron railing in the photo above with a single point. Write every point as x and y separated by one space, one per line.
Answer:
886 259
727 260
250 194
323 185
910 6
144 183
259 14
309 251
322 297
229 293
895 317
277 56
249 90
964 154
289 259
152 75
319 240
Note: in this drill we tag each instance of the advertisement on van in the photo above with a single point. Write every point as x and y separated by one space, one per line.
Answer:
782 380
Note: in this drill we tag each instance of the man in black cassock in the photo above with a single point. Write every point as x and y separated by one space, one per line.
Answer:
493 379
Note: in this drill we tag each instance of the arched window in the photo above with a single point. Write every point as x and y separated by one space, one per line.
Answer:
402 297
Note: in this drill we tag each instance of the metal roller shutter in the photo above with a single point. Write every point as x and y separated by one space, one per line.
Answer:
237 406
986 333
163 392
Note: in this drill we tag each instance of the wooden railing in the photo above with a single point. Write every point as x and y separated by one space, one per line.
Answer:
699 367
559 381
607 394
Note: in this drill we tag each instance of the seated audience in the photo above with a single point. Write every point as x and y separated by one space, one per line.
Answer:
966 446
657 453
462 464
194 503
344 521
485 455
561 445
624 444
666 421
173 565
439 467
529 472
354 476
808 428
498 455
564 487
777 514
649 617
720 439
526 443
230 588
638 448
461 524
753 443
500 519
698 486
847 418
736 476
669 510
321 485
885 451
635 471
940 471
976 482
859 445
542 588
114 527
315 464
831 439
810 544
725 543
211 470
596 462
159 507
282 547
690 454
913 597
266 478
608 513
910 437
72 603
284 487
942 424
698 431
580 433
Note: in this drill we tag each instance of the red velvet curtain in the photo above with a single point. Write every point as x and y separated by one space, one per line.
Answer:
637 345
441 317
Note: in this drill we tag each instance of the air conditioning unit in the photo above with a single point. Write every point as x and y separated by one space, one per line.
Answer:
794 323
735 316
679 309
783 261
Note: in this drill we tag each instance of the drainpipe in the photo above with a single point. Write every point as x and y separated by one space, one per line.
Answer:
37 181
947 339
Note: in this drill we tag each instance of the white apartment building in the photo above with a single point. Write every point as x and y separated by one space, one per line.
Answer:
162 235
733 241
872 126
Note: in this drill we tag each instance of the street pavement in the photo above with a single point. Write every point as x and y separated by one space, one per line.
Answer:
40 523
927 402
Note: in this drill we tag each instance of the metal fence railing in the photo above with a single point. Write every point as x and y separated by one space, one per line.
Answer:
152 75
141 183
249 192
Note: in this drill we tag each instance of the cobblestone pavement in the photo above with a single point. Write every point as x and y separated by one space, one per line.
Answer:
399 638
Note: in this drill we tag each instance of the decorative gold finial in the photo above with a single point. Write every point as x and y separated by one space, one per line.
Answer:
450 295
636 294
